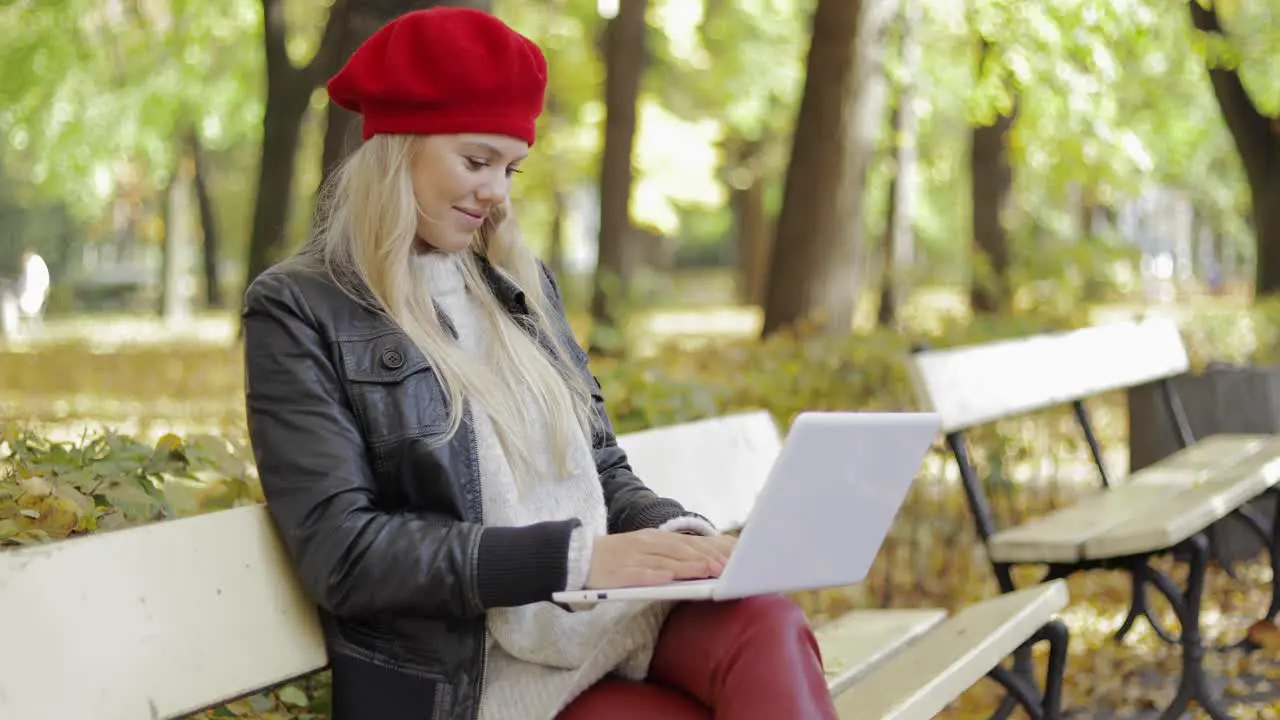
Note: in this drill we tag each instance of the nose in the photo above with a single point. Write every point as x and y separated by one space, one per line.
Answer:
493 191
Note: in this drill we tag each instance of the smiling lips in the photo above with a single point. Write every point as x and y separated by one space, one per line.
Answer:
471 217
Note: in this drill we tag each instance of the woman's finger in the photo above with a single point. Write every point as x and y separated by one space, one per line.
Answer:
707 549
684 561
724 544
643 576
675 546
694 569
721 546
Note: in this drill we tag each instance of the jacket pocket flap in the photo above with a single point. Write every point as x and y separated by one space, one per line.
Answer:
384 359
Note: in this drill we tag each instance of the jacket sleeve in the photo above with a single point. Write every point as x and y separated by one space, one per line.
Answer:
631 505
353 557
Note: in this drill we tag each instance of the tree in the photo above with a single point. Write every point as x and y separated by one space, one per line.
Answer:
991 177
749 79
289 89
899 239
812 273
169 79
1257 139
624 53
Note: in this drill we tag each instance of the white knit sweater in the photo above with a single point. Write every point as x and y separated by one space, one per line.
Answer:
540 656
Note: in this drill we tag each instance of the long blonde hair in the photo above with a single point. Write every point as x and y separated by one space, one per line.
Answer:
365 236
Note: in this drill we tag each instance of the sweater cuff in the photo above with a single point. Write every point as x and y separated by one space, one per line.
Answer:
522 565
579 561
690 525
650 513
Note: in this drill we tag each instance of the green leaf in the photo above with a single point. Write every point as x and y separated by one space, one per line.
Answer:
293 696
9 529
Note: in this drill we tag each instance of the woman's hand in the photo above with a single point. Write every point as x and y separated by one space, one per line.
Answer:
655 557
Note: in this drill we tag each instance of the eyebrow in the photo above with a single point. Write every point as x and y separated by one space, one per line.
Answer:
491 150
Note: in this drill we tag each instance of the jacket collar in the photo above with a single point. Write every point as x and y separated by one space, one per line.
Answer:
504 288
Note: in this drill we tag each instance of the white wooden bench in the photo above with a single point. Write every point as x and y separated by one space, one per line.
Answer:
167 619
1165 508
153 622
880 663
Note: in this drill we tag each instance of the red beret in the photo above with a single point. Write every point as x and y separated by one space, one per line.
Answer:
444 70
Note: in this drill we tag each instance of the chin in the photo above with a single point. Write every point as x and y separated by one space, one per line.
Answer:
449 244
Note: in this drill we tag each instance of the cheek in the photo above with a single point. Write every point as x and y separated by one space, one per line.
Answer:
422 191
445 186
459 185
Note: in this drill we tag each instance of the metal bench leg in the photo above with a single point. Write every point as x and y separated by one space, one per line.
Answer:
1194 684
1139 606
1273 554
1055 632
1019 681
1022 692
1270 537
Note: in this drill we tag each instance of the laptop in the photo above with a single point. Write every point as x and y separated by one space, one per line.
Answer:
822 515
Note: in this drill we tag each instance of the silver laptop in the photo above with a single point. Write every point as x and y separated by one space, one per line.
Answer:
820 519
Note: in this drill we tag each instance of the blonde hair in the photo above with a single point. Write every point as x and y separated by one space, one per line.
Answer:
365 236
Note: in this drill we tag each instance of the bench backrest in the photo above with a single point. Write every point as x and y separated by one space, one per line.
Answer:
156 621
975 384
714 467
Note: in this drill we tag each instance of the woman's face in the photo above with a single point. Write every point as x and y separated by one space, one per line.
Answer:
458 180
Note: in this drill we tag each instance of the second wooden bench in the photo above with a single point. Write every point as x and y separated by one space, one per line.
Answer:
907 663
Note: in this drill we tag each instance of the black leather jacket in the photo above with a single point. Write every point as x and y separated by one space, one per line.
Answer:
386 531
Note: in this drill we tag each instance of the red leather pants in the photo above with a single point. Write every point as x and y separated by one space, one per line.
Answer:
737 660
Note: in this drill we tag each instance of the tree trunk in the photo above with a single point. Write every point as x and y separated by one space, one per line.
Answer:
752 222
556 122
992 179
341 138
555 240
891 247
281 127
288 94
744 177
208 225
342 127
812 274
1257 139
178 244
624 61
992 183
899 242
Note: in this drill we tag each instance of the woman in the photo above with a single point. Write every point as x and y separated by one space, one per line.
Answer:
436 452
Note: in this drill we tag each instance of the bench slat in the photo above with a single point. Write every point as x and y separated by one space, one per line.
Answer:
1059 535
1190 510
855 642
922 680
975 384
1210 456
715 467
153 622
1160 505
